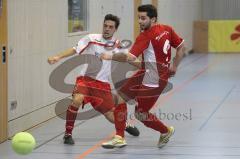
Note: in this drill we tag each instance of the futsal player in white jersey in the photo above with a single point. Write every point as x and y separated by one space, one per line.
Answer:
94 89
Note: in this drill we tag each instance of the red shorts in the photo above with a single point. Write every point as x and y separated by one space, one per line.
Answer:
133 87
96 92
130 87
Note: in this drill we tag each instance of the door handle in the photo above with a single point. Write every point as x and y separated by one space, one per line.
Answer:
4 54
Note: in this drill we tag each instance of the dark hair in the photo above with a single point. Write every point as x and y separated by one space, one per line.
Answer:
113 18
150 9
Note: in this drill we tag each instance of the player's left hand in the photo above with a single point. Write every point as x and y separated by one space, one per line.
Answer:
172 70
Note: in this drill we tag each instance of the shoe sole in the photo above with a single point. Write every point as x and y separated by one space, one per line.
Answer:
112 147
69 143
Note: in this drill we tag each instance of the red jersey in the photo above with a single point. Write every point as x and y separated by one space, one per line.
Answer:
155 46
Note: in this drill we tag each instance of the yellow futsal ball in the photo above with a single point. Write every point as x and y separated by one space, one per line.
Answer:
23 143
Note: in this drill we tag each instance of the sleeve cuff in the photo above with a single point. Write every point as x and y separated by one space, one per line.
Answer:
180 44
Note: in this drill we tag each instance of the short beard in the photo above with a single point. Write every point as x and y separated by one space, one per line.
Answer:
147 26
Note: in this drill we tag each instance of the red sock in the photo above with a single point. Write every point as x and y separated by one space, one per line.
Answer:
147 118
153 122
70 118
120 115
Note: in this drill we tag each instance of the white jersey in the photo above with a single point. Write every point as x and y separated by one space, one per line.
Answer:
95 44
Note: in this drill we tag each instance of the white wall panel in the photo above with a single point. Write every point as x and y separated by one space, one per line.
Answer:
37 29
221 9
180 14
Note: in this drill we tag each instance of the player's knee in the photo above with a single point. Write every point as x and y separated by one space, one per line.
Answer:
109 112
77 100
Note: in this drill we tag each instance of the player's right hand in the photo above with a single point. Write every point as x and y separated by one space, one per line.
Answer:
53 59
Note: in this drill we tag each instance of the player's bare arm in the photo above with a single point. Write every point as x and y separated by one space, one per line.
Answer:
122 57
177 59
58 57
137 63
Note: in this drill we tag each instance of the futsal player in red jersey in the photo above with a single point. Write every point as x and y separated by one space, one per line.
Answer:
154 44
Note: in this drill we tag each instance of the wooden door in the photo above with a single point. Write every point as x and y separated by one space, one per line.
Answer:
3 71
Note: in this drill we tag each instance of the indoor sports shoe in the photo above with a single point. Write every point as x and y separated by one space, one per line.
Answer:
68 139
132 130
117 141
164 138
